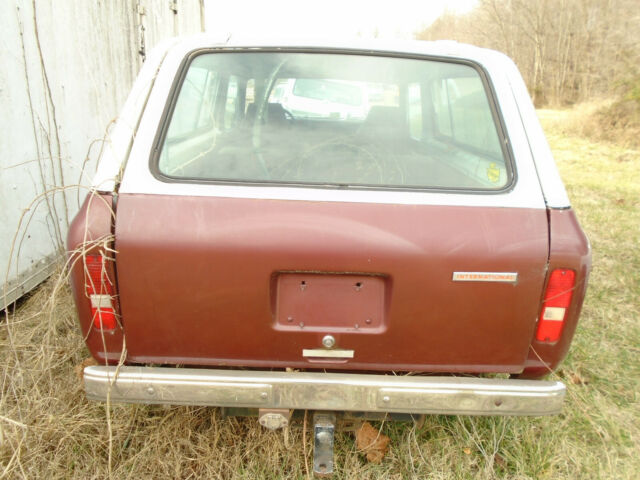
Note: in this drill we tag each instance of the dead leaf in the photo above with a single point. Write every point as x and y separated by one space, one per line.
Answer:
372 442
467 451
576 379
87 362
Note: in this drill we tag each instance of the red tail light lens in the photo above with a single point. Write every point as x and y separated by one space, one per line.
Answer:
557 299
100 292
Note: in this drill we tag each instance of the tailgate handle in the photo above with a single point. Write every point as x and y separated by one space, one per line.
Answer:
324 353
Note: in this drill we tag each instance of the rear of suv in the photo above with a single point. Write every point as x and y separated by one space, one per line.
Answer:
310 260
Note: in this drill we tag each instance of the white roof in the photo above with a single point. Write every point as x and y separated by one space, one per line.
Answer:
445 48
167 57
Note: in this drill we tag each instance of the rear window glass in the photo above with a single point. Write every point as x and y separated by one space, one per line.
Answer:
333 91
332 119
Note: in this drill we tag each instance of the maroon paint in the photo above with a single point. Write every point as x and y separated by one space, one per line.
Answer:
196 278
90 232
569 249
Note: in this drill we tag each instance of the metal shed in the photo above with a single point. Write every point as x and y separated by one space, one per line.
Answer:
67 70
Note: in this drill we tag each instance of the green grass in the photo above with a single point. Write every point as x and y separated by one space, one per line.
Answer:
49 430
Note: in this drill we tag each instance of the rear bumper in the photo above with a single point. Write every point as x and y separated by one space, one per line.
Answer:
324 391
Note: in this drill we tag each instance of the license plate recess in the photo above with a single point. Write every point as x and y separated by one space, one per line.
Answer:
330 302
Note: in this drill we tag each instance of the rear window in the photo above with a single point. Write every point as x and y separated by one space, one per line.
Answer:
333 119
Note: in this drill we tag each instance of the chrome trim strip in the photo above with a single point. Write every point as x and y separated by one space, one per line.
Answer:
501 277
324 391
324 353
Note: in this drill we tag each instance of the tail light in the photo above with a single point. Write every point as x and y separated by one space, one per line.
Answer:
100 290
557 299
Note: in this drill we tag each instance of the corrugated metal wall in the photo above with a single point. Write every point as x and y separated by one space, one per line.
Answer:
67 68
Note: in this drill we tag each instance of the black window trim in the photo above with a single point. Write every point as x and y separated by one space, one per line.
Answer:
167 113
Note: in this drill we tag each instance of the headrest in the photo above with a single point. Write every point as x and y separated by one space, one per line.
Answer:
384 116
384 123
275 113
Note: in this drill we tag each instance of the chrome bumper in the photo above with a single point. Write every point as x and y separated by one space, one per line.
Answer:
324 391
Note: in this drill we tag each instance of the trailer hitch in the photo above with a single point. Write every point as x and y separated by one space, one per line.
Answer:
324 427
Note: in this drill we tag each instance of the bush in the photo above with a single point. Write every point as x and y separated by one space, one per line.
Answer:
620 121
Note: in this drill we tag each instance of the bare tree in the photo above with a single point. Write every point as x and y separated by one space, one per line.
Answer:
567 50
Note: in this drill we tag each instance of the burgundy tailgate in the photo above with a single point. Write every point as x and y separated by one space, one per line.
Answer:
246 282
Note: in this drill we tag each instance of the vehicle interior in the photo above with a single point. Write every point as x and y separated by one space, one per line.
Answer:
341 120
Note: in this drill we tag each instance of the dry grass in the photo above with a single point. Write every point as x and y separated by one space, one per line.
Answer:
611 120
49 430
